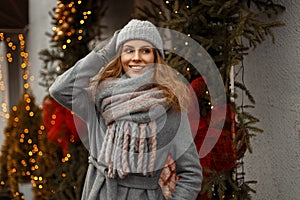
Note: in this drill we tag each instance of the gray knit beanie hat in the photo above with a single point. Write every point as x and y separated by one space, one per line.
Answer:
140 30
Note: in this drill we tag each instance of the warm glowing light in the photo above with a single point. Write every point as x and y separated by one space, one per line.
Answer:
27 108
58 68
28 100
26 85
23 65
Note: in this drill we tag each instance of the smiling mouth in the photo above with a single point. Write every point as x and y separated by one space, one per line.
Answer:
137 67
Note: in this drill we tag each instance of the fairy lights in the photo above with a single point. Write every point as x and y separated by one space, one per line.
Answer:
26 139
4 101
66 24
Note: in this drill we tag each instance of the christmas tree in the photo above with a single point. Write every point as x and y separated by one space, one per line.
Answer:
227 30
62 167
42 146
20 150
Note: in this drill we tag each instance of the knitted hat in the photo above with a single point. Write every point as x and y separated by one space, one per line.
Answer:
140 30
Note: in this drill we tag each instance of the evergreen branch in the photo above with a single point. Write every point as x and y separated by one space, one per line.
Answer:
247 92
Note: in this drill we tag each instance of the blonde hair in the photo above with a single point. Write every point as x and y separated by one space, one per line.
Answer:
176 90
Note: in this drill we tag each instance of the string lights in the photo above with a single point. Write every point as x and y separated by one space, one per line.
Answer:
4 101
65 29
27 140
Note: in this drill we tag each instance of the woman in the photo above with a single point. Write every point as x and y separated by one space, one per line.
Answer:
135 110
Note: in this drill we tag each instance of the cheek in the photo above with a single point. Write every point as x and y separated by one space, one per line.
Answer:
124 60
149 59
125 68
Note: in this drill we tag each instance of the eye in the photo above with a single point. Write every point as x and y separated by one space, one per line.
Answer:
128 50
146 50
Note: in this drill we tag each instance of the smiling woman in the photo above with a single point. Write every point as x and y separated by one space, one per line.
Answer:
137 56
135 109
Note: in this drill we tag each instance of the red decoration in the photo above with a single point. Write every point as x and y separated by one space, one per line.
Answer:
222 156
199 85
61 124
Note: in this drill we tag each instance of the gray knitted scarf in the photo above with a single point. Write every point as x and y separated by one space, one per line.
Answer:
129 107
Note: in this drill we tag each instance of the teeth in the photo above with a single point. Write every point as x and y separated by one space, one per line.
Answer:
136 67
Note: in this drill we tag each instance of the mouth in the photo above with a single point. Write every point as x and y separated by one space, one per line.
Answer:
137 67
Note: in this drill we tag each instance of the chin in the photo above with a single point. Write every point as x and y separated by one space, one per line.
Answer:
133 75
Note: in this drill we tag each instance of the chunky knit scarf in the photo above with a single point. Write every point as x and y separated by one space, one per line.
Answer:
130 107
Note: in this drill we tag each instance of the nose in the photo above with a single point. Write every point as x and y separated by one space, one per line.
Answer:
136 57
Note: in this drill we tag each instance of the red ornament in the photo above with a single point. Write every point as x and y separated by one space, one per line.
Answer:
199 85
60 124
222 156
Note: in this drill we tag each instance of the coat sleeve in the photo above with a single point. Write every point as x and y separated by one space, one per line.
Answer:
70 88
188 166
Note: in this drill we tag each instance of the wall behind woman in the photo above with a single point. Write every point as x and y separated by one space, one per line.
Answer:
39 24
272 74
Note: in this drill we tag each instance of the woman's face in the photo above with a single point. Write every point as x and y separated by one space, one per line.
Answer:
137 56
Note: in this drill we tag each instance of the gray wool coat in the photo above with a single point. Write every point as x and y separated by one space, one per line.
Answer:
174 137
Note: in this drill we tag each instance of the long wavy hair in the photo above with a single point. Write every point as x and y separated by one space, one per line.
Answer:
175 89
